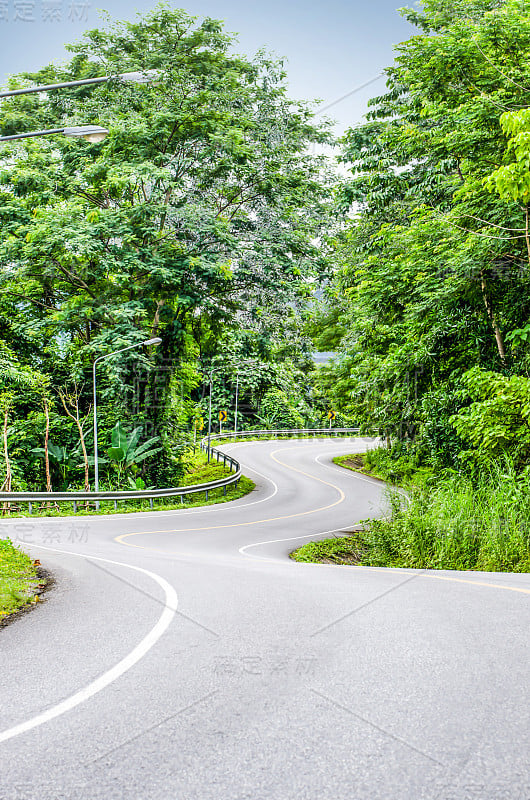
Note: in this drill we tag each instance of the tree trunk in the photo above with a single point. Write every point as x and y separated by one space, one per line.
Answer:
6 486
156 320
71 406
527 235
492 318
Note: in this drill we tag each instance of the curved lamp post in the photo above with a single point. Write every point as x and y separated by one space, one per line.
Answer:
237 399
210 415
126 77
91 133
155 340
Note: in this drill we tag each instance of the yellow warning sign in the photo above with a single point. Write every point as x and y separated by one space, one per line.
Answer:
331 415
223 416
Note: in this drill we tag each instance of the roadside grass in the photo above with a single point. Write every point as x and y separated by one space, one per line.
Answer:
18 579
448 521
198 471
379 464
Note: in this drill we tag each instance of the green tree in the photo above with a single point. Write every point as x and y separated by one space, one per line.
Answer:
204 205
433 271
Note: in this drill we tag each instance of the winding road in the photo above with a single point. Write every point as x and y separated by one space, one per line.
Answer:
182 656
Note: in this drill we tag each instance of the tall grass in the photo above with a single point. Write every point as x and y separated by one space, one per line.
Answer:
457 522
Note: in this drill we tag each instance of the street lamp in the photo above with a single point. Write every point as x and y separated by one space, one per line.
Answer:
147 76
237 395
91 133
210 415
156 340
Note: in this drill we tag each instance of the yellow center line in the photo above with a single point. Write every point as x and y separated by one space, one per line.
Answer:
479 583
342 496
124 536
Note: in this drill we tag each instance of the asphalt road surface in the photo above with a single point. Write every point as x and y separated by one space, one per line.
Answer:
182 656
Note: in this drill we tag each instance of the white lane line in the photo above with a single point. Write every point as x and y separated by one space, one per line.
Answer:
119 669
335 467
242 550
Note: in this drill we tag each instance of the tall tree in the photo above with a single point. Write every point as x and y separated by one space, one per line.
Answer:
434 265
203 203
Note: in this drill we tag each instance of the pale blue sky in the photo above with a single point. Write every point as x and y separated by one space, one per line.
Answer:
331 47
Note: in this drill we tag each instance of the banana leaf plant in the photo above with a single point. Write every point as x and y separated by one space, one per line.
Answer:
126 452
61 458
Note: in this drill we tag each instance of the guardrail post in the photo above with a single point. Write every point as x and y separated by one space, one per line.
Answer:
228 461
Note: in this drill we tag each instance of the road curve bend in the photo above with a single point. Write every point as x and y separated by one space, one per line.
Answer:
182 655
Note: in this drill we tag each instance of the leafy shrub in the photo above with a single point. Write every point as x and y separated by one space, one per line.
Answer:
497 421
277 411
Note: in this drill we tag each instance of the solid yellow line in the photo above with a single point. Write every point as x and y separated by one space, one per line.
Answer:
302 514
478 583
342 496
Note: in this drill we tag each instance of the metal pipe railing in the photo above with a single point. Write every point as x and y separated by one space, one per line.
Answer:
175 491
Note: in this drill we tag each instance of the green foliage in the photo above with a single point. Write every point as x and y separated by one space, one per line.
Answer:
458 524
277 411
399 465
196 220
341 550
497 420
451 523
512 181
126 452
60 458
432 261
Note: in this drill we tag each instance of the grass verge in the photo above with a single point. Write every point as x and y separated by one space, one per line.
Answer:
18 579
198 471
449 521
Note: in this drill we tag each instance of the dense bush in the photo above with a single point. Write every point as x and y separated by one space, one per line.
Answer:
458 523
497 420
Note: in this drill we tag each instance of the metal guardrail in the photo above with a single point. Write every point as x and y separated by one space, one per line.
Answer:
316 432
177 491
140 494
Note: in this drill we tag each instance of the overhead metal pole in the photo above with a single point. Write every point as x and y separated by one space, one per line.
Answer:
210 416
125 77
237 397
93 133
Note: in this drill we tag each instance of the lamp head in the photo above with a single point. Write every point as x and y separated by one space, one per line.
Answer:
156 340
148 76
91 133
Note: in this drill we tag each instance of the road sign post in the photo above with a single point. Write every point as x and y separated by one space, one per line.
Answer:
222 418
198 424
331 417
